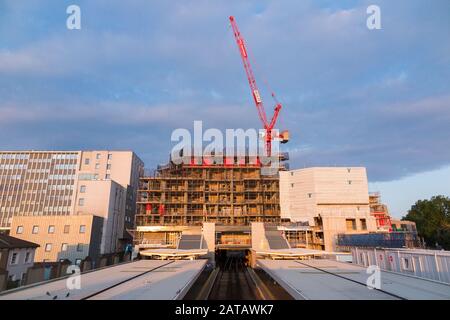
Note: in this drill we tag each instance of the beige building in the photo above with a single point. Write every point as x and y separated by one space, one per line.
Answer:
72 183
61 237
328 199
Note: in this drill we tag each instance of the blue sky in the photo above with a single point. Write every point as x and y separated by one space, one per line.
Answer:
139 69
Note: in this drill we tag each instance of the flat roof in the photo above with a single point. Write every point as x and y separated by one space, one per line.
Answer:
323 279
162 280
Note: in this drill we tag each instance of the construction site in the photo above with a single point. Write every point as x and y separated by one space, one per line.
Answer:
217 227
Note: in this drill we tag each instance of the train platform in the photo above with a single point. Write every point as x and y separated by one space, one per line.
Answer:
143 279
323 279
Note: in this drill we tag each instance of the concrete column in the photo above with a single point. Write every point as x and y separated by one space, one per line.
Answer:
209 238
259 241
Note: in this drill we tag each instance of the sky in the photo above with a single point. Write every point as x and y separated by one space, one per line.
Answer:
139 69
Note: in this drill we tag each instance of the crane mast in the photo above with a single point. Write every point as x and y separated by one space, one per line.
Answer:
268 126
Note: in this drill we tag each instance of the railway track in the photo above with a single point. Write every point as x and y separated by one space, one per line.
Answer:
234 280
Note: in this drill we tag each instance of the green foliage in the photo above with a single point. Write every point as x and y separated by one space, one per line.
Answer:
432 218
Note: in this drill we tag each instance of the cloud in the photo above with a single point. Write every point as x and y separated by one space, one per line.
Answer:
136 71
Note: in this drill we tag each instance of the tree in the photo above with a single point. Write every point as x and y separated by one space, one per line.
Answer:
432 218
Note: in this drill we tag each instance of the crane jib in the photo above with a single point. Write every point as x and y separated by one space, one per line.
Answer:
242 47
256 96
254 89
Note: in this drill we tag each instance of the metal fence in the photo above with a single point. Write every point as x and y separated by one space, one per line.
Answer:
428 264
379 240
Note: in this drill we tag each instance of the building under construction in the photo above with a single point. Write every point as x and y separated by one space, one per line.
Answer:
231 194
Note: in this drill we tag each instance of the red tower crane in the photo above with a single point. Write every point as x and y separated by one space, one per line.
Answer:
268 126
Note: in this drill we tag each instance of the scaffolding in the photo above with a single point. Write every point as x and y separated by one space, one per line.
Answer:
207 191
380 212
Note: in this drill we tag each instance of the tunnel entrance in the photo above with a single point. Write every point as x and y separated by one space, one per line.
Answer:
232 259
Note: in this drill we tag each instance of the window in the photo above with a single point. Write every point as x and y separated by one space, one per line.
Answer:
48 247
109 156
292 173
35 230
292 185
81 202
351 224
80 247
82 228
108 167
108 176
97 166
28 257
86 161
64 247
309 195
66 228
349 170
19 230
14 258
98 156
349 181
51 229
82 189
363 224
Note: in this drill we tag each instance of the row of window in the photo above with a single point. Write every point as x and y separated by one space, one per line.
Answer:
65 156
13 166
65 166
39 171
15 156
61 187
97 156
15 257
61 176
43 180
51 229
20 156
91 176
64 247
12 177
351 224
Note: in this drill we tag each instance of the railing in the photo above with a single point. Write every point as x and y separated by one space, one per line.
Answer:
376 240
